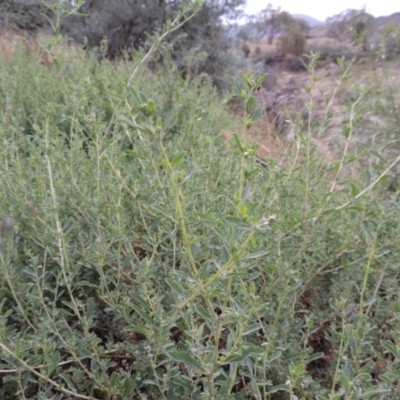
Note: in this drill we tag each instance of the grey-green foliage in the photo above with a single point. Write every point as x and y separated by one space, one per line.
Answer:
352 25
101 294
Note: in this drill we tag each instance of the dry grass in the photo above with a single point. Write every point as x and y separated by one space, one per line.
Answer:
34 47
11 42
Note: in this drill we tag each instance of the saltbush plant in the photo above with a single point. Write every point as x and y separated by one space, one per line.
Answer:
153 260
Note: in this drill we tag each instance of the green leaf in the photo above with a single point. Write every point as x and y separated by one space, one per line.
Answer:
137 329
377 155
252 328
384 178
84 352
149 382
57 64
261 80
354 190
246 193
68 381
253 276
132 153
373 391
246 352
6 314
249 124
141 313
313 357
185 358
177 160
237 140
140 300
256 114
150 107
345 382
382 253
54 361
252 288
90 307
195 249
225 253
143 98
274 357
346 131
246 80
249 104
132 123
203 312
256 254
180 381
219 233
175 287
163 211
366 229
299 370
238 222
277 388
136 96
392 348
363 377
237 87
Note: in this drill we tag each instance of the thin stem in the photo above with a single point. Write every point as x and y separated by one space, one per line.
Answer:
31 369
178 205
174 25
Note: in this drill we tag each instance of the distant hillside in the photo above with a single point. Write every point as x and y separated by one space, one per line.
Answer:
310 20
250 31
375 25
381 21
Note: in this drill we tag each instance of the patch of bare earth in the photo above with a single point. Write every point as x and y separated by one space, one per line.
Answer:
287 110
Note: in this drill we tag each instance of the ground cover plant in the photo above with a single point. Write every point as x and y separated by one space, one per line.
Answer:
150 260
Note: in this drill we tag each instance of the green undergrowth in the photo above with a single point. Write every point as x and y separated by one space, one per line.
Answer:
152 261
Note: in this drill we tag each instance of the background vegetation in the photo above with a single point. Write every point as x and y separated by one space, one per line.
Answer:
155 256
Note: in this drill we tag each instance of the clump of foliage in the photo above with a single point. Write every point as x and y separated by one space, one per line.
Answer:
151 261
292 42
330 50
352 25
389 41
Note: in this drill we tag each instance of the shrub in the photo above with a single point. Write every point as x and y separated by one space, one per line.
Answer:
292 42
150 261
389 40
332 49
